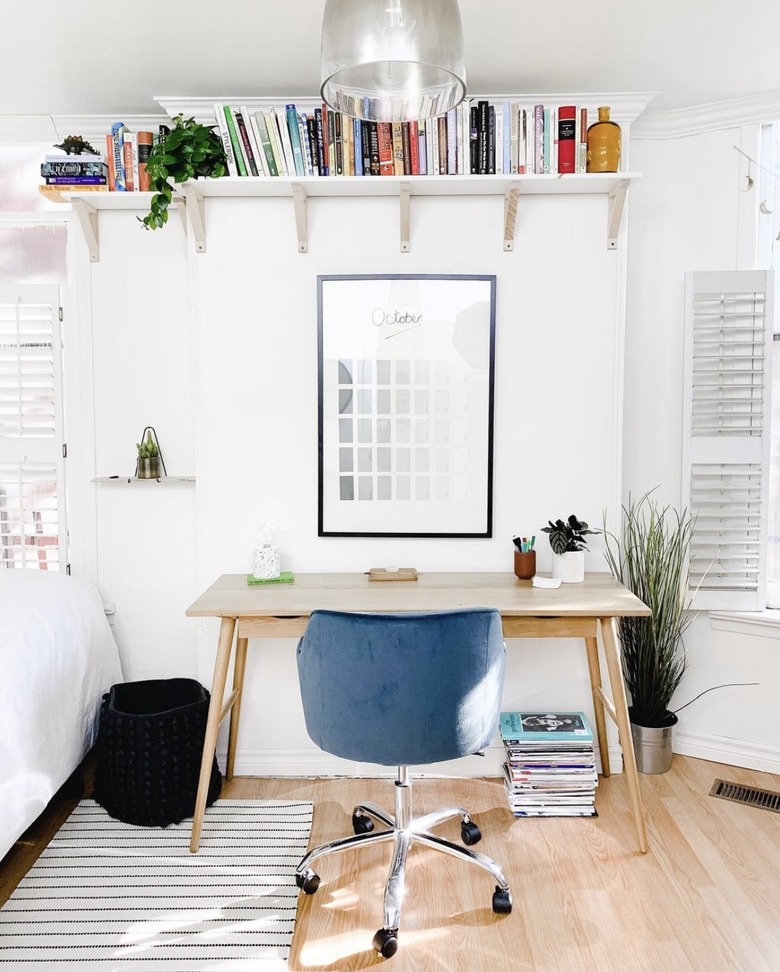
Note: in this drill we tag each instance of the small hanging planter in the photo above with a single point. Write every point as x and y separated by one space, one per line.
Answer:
150 463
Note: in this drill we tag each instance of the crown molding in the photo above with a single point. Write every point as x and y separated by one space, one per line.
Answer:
697 119
625 106
50 129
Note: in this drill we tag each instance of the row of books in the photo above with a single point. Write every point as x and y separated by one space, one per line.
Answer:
477 137
121 169
550 768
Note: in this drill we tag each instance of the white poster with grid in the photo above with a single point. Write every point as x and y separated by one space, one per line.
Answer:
406 367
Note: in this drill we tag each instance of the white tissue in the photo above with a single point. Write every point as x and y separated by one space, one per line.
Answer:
552 582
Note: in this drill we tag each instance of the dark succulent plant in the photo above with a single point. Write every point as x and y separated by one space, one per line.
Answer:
567 536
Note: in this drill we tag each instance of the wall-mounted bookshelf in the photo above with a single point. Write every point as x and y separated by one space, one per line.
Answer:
613 185
135 481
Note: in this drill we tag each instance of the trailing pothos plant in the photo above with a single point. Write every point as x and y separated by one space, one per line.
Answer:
187 151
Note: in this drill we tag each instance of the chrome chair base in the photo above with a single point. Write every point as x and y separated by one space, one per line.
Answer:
404 831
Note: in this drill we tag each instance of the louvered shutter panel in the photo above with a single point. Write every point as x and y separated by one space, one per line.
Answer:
728 355
31 465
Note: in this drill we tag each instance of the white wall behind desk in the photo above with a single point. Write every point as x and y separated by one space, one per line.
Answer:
557 410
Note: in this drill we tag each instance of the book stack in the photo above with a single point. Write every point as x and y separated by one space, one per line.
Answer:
62 173
550 768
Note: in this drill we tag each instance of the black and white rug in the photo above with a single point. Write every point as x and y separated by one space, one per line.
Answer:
108 896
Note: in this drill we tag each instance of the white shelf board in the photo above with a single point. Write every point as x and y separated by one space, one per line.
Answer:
133 480
114 200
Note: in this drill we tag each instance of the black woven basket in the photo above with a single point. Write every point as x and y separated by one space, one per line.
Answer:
149 750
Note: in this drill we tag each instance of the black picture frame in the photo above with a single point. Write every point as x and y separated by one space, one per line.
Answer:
406 378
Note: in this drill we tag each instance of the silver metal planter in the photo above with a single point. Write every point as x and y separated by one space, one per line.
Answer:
653 747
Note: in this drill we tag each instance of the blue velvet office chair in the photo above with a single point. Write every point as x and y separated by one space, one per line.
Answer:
399 690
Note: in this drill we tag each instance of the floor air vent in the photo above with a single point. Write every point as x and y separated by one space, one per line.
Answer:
752 796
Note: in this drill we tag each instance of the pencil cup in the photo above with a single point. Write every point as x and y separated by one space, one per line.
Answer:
525 564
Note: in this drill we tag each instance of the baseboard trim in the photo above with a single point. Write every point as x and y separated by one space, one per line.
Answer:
310 762
723 749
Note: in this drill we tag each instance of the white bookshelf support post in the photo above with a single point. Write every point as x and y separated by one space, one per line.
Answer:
405 193
196 216
301 222
617 202
510 217
88 221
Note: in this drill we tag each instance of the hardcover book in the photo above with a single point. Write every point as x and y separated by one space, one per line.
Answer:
385 137
235 139
145 142
246 143
295 138
93 167
567 147
224 134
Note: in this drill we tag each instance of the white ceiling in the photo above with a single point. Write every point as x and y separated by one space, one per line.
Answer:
64 58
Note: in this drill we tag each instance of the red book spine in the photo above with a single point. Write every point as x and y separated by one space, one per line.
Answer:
145 140
386 164
414 147
567 149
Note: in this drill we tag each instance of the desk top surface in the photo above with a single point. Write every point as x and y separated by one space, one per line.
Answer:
599 595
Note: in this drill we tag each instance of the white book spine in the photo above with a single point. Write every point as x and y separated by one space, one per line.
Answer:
273 137
254 141
498 145
436 159
262 163
289 158
513 138
224 134
452 142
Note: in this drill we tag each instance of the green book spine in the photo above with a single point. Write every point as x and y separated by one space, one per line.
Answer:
265 143
235 138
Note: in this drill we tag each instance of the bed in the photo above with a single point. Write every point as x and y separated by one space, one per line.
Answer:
57 658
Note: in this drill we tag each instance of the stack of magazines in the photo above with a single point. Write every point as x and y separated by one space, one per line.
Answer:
550 768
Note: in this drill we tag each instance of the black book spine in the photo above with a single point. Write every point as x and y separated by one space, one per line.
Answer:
322 162
337 143
474 140
482 136
374 141
311 134
365 144
407 148
491 141
247 145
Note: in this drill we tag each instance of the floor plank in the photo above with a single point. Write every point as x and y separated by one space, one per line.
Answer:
705 899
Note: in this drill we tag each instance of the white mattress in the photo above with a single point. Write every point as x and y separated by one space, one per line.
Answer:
57 658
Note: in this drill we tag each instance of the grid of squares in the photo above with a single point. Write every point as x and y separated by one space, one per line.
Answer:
402 431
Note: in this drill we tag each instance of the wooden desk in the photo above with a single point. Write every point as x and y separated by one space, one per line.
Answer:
282 611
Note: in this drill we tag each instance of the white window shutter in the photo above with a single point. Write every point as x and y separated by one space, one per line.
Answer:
32 508
726 441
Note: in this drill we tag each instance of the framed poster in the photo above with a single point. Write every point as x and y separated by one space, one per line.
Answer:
406 371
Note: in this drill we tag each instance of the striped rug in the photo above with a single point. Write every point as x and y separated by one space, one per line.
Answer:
108 896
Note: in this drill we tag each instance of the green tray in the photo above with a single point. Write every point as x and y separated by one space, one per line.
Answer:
285 577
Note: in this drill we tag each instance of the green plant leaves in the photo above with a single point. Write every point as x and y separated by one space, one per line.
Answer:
190 150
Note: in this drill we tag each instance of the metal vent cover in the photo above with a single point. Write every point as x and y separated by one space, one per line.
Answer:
751 796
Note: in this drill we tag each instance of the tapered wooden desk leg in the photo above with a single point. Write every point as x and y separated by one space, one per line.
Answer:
612 656
235 713
592 647
221 665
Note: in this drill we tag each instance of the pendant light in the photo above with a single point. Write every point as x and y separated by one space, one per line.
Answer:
392 60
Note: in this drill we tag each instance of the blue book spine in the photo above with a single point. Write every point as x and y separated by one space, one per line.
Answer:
358 146
118 130
295 138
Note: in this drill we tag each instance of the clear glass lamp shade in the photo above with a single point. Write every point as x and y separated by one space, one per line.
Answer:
392 60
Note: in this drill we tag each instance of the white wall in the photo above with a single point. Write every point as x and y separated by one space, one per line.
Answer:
253 439
689 212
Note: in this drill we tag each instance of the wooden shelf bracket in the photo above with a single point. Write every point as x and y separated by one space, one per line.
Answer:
301 220
617 202
196 216
88 221
510 217
405 193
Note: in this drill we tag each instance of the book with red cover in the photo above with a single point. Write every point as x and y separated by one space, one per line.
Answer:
567 149
414 147
386 165
407 148
145 141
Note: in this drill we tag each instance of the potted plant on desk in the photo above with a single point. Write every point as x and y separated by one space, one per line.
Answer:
568 544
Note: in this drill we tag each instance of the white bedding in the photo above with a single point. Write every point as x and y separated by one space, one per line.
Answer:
57 658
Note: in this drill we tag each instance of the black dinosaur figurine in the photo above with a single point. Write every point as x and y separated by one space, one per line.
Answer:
77 145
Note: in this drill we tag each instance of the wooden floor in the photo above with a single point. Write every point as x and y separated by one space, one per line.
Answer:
705 899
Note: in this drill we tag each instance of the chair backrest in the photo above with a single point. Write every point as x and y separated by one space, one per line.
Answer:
402 689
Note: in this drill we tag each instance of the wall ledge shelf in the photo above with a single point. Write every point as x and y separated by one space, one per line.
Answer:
192 194
134 480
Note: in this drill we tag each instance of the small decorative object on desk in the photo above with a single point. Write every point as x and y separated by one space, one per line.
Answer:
568 547
150 463
265 557
604 144
525 557
392 574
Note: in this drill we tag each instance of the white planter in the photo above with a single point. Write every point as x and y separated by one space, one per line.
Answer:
569 566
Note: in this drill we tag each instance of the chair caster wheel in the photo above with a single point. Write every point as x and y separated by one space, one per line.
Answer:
308 882
386 942
470 833
362 824
502 901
